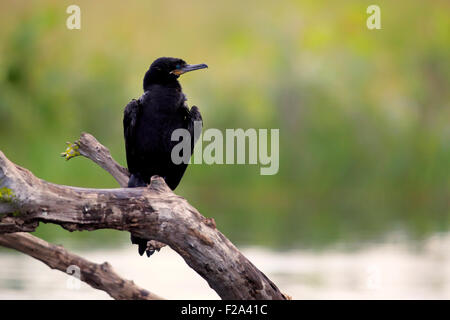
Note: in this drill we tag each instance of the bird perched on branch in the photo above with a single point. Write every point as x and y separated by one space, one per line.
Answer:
149 123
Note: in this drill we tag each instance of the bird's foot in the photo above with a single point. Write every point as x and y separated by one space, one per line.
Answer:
147 246
71 151
154 245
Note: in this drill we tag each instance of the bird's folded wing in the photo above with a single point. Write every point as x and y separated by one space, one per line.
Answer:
130 116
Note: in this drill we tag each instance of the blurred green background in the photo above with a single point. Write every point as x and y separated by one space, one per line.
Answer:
364 115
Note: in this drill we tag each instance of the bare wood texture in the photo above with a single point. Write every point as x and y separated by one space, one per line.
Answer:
99 276
89 147
151 213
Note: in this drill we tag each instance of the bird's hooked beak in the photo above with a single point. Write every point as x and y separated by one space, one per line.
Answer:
189 67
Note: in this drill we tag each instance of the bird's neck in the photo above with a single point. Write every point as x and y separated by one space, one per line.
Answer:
151 78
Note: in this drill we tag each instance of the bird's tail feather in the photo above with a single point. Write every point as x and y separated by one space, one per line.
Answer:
136 181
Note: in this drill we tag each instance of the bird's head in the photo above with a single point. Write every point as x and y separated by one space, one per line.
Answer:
167 70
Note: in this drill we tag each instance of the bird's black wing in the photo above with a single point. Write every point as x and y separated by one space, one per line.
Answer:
130 117
195 121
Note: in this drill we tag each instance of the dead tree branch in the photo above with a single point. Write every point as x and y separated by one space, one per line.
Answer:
98 276
89 147
150 213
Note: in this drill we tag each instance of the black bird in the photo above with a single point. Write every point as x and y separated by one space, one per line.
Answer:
148 124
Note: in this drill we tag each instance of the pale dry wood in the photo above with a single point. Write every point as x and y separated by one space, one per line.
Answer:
151 213
99 276
89 147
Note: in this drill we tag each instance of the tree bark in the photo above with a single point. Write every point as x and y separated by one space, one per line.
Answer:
89 147
154 213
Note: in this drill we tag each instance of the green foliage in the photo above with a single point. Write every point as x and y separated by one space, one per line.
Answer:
363 115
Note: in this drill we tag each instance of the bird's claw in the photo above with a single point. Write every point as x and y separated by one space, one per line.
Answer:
146 246
71 151
152 246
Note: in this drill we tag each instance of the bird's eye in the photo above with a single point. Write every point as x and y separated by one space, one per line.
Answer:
178 66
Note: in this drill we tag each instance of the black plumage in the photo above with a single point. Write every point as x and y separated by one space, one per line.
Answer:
149 123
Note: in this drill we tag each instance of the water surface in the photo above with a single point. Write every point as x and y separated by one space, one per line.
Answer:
390 270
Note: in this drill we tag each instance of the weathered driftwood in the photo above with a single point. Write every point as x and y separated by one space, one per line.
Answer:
151 213
98 276
89 147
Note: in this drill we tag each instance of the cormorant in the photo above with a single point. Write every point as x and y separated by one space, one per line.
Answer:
148 124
